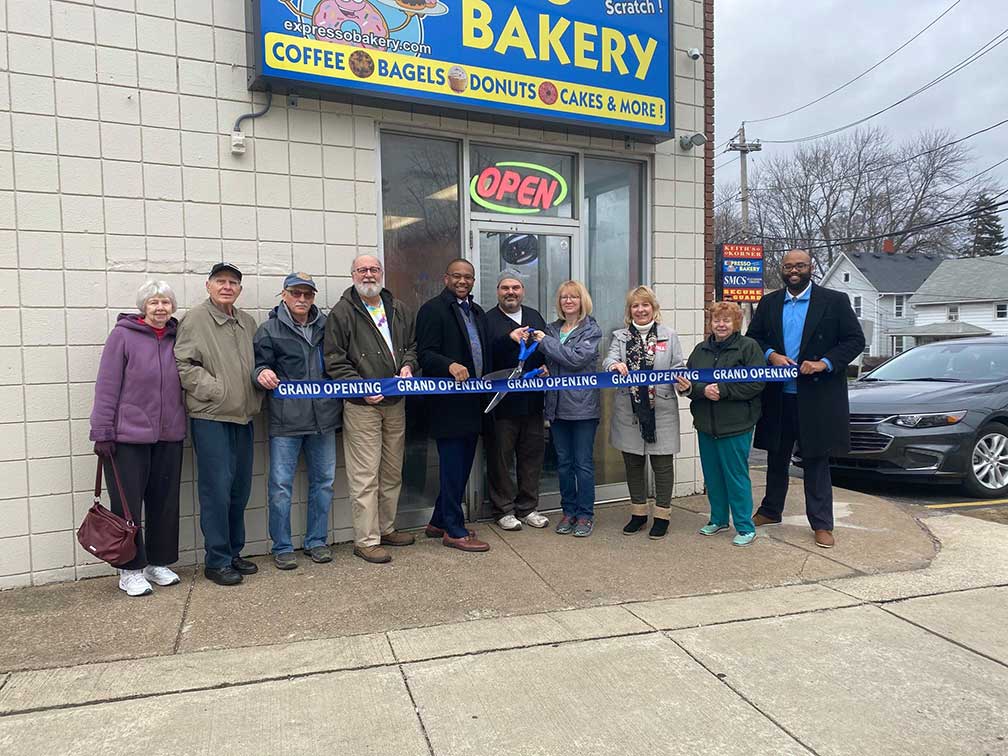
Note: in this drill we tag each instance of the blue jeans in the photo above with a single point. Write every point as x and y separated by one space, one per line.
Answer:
224 466
320 459
574 442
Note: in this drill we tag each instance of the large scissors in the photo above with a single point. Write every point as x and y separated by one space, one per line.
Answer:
525 349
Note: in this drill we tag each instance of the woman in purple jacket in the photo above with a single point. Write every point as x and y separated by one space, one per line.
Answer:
138 420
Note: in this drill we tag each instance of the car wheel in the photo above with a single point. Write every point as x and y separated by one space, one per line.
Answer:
987 471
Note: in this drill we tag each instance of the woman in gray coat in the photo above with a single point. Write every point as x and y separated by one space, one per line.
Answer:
570 346
645 419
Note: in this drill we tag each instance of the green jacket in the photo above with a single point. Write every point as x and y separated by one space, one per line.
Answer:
213 352
354 348
738 409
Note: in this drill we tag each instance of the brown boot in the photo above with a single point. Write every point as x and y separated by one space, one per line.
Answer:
824 539
395 538
759 519
373 554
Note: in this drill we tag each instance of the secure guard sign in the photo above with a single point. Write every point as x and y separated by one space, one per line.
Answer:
601 64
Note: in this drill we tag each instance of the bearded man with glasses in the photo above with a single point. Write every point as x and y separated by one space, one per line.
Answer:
369 335
816 329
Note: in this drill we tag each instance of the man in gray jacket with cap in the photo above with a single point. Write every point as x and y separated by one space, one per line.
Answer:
288 347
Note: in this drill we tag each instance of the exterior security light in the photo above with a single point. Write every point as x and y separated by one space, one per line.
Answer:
689 142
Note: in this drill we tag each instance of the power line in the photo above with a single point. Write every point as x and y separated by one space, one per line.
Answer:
877 166
936 223
994 42
727 162
736 196
860 75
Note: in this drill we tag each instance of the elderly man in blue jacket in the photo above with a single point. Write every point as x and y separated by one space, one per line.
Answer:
288 347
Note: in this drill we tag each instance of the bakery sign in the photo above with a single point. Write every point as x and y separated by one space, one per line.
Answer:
599 64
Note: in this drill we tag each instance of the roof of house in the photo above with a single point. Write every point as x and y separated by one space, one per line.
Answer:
970 279
894 273
950 329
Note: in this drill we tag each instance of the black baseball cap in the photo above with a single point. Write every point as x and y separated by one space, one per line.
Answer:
224 266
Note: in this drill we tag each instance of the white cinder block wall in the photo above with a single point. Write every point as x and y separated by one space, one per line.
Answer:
115 167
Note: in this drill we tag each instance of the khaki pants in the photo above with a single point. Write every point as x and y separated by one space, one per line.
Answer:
374 439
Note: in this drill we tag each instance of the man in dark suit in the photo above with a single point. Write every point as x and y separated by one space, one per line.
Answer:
816 329
452 342
518 432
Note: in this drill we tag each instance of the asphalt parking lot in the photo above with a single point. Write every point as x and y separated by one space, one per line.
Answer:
931 496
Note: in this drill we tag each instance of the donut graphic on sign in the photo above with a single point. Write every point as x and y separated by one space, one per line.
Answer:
362 23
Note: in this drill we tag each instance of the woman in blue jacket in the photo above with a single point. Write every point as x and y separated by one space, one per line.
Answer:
570 345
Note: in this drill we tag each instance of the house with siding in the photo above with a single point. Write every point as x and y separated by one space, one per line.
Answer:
966 297
880 287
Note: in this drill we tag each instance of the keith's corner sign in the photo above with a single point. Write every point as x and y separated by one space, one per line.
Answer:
601 64
741 274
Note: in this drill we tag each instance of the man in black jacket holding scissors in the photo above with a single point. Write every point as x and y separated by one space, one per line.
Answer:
518 432
452 343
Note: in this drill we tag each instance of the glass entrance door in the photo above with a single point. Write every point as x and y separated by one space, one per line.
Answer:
542 258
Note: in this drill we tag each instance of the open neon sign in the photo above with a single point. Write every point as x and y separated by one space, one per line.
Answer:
533 188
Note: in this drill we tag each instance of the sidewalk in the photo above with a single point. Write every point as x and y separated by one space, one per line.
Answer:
606 645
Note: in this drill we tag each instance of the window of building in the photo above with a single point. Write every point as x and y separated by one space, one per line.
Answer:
523 183
856 304
421 216
846 277
952 313
898 344
1001 310
899 305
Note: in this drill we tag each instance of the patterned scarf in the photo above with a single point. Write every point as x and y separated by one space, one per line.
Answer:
640 355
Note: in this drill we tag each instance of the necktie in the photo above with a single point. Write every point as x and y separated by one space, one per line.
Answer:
464 304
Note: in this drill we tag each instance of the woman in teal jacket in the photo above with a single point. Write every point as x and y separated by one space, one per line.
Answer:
724 416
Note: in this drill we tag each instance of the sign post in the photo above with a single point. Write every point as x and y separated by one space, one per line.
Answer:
740 273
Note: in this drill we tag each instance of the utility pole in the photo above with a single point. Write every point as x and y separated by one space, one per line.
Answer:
740 145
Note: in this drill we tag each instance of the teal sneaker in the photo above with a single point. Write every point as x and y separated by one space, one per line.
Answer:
565 526
710 529
743 539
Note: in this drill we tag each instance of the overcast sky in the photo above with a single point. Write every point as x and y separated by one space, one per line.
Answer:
774 55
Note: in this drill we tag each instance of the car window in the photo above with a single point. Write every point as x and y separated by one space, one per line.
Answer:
947 361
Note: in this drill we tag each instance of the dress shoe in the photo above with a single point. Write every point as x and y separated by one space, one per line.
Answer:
759 519
223 575
468 543
824 539
395 538
432 532
373 554
244 566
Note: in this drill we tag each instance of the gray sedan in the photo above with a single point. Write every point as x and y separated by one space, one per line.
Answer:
937 411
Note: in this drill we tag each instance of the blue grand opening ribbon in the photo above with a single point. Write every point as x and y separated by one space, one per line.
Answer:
430 386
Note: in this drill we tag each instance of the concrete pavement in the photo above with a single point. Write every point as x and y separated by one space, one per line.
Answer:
894 642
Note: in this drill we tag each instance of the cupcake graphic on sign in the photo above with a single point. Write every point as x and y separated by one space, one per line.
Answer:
362 23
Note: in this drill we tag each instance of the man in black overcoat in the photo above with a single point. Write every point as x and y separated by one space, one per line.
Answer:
815 328
452 343
518 434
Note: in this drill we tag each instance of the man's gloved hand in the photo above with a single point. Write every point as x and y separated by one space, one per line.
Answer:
105 448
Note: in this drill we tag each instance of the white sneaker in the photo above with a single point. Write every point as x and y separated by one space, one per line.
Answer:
134 583
536 520
509 522
160 575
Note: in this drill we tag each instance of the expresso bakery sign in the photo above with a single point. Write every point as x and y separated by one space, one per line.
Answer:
600 64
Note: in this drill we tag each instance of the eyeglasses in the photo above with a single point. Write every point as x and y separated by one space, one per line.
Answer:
364 271
301 294
461 276
569 296
794 266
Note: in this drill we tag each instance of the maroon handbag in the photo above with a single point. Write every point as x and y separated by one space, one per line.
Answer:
105 534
